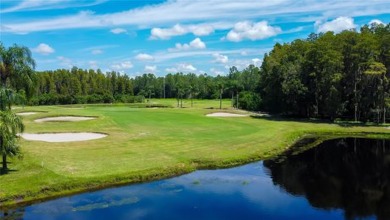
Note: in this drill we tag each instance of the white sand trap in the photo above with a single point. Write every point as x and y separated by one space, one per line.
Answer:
62 137
26 113
64 118
225 114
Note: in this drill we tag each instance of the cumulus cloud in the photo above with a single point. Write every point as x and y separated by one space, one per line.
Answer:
375 21
216 72
197 43
257 61
182 67
219 58
144 57
96 52
178 30
337 25
150 69
252 31
122 66
171 70
118 31
43 49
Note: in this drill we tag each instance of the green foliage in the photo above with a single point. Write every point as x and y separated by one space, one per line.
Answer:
329 75
16 69
249 100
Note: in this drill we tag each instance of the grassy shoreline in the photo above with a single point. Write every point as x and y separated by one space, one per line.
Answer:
98 184
179 141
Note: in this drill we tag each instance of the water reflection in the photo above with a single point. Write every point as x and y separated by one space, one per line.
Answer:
339 179
351 174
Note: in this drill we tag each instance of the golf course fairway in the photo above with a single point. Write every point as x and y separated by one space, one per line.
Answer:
144 144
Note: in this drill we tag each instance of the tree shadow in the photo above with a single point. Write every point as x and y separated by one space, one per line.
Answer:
6 171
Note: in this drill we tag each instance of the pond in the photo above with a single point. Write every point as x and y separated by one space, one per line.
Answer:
339 179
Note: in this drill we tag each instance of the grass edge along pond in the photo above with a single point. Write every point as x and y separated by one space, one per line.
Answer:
33 181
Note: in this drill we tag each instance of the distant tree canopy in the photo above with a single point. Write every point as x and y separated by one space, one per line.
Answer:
326 75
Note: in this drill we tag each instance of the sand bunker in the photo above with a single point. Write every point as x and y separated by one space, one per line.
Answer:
26 113
62 137
64 118
225 114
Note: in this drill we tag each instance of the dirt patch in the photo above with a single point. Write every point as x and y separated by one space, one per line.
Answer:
225 114
64 118
62 137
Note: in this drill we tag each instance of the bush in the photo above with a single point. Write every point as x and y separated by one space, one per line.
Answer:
249 101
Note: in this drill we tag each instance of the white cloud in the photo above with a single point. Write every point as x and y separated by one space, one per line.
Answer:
150 69
257 61
118 31
252 31
178 30
217 72
219 58
375 21
43 49
159 33
93 64
241 63
186 67
122 66
163 56
96 52
28 5
171 70
201 13
182 67
337 25
64 61
197 43
144 57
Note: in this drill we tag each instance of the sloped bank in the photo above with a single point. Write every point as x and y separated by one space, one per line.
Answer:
79 185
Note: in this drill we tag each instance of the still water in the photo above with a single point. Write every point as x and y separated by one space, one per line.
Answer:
339 179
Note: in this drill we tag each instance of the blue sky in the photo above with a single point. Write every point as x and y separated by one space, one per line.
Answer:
199 36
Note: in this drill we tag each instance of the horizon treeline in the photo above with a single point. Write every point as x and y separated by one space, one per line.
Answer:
327 75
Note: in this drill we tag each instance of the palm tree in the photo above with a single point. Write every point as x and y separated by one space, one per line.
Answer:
16 63
10 126
16 68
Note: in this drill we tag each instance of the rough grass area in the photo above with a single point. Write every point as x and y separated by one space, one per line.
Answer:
148 143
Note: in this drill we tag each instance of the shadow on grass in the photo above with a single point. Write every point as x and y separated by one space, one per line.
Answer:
318 121
6 171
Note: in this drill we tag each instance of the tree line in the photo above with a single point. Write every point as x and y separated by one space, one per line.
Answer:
330 75
79 86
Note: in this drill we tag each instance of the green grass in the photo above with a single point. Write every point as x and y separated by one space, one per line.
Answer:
146 144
